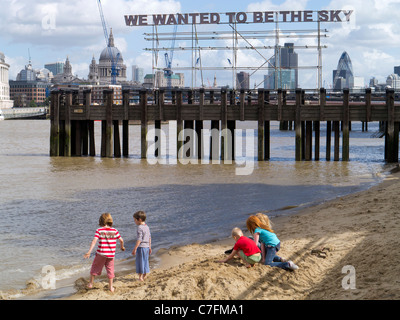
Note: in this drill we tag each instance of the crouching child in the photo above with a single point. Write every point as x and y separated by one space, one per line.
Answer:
245 248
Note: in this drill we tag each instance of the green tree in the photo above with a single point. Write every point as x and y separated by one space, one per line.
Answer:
33 104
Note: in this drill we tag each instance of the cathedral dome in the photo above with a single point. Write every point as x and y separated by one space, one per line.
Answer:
105 54
103 72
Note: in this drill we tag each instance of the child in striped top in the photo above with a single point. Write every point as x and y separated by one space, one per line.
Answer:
107 236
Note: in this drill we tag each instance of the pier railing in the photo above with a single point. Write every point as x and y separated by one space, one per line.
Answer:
72 117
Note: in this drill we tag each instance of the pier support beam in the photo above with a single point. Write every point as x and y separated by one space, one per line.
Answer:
261 125
55 124
125 124
67 125
392 133
336 129
224 126
346 127
143 124
297 127
199 126
179 123
109 122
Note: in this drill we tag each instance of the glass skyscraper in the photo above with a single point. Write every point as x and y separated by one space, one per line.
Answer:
285 75
343 76
55 68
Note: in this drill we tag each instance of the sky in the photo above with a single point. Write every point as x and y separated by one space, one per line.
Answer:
49 31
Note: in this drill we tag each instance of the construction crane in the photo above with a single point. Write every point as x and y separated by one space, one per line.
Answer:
114 62
168 60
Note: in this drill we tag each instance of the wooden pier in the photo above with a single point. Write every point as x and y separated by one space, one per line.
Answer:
72 117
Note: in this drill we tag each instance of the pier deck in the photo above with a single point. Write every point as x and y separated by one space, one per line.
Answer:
72 128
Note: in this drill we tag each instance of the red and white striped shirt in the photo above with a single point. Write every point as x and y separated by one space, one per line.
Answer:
107 241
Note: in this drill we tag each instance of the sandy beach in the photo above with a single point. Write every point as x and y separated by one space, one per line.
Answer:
346 249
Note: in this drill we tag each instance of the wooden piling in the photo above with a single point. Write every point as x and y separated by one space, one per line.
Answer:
109 122
297 127
346 126
309 134
55 123
189 139
392 140
159 98
328 140
179 123
368 107
242 98
214 139
125 123
224 126
67 125
336 129
117 141
199 125
267 130
261 126
189 128
87 98
77 132
231 127
322 101
143 124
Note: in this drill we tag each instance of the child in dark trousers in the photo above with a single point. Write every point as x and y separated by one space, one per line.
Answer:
142 248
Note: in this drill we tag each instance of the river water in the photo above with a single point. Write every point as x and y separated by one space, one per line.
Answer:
50 206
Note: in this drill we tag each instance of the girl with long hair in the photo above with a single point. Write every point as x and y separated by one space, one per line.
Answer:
270 244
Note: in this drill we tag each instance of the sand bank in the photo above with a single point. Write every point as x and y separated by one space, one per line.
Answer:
360 234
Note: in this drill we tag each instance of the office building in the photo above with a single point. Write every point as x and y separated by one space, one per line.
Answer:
397 70
393 81
137 74
243 80
283 72
5 102
343 76
24 92
55 68
160 80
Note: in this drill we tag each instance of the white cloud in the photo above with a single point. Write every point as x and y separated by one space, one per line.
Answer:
74 22
268 5
53 29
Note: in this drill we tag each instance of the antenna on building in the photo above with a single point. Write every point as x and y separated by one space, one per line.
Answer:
29 56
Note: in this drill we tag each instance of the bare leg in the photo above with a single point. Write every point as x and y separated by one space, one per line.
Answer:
110 285
90 284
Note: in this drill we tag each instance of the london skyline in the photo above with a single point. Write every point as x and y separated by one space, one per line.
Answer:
53 30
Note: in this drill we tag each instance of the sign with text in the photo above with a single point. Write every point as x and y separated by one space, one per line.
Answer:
239 17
